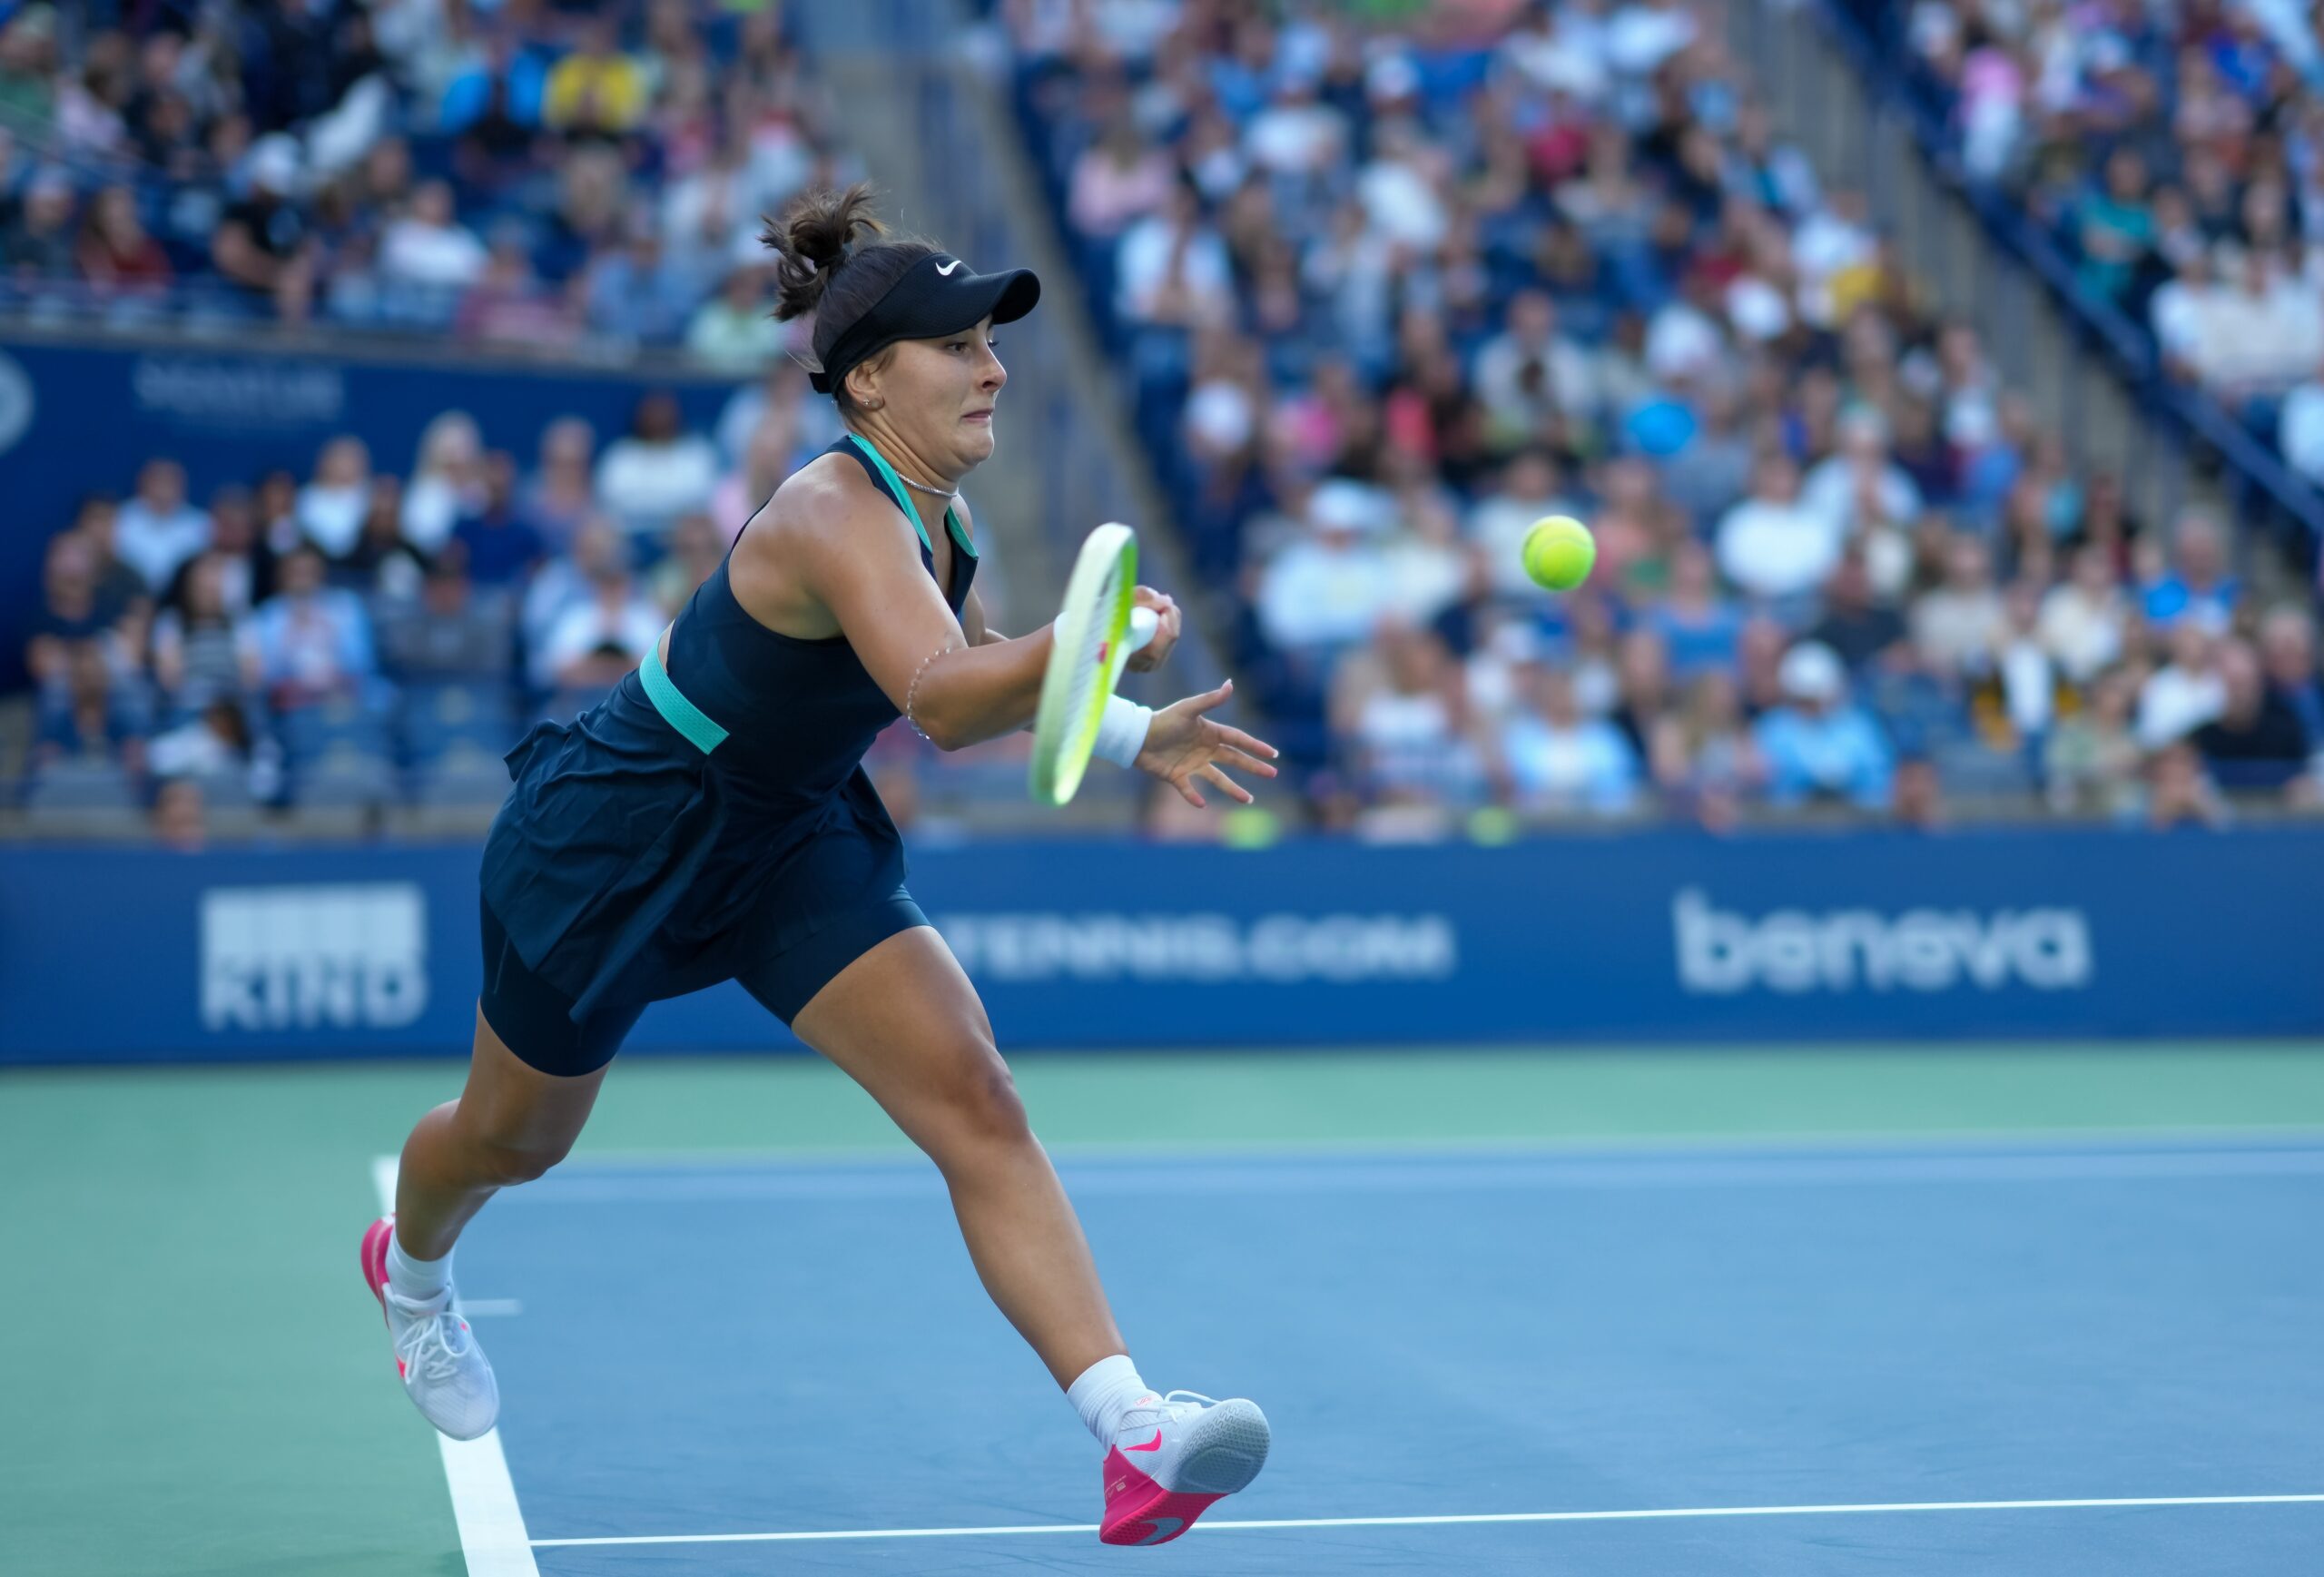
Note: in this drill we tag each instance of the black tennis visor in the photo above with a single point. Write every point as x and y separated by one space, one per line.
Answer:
935 297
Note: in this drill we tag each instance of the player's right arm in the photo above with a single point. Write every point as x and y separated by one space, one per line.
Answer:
836 559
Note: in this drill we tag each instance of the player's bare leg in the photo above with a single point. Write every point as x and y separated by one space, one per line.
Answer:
905 1023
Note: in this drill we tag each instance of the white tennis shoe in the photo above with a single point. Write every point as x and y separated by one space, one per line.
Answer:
1174 1457
443 1370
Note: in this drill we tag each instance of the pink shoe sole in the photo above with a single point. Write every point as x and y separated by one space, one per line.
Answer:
1140 1512
376 1238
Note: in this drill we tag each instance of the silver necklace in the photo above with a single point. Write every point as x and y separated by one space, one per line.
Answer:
923 487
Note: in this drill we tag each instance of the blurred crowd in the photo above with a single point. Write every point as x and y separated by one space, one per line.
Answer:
530 173
377 631
2178 151
1386 298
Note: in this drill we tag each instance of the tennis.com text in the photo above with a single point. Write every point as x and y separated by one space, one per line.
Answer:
1721 951
1204 947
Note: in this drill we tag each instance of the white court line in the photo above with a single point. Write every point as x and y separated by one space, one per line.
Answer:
1438 1173
1520 1146
1655 1515
493 1537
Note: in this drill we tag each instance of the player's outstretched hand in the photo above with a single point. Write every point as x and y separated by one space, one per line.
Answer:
1186 749
1148 658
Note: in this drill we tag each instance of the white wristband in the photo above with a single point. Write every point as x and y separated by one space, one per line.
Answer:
1121 730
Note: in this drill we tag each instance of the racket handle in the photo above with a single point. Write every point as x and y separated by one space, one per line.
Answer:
1143 623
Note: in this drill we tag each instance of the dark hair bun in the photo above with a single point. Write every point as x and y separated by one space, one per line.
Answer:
811 237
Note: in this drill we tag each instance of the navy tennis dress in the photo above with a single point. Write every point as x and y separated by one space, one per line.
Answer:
709 820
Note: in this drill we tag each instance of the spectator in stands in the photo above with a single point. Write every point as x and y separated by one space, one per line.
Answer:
597 87
1958 626
2113 227
1772 544
214 743
602 635
2178 793
330 509
1819 746
499 547
158 530
561 493
1643 695
1329 589
1529 372
261 243
636 291
89 717
447 632
2085 620
769 455
1699 627
427 246
1712 468
657 473
510 305
1857 627
310 643
2185 693
2177 309
1860 487
36 245
696 549
2299 430
2258 334
2288 652
115 255
2091 762
245 562
2256 741
563 581
1173 268
181 821
381 567
119 588
1705 755
70 613
734 333
447 481
28 66
197 655
1118 178
1555 759
1918 795
1401 708
2197 587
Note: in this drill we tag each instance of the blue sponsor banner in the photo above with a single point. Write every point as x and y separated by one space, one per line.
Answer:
118 955
76 419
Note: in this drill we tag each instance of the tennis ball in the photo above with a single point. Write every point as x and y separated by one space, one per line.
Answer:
1559 552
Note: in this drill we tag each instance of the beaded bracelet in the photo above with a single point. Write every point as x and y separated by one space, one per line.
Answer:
911 689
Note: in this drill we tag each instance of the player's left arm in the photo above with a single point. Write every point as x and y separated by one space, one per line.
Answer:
1166 632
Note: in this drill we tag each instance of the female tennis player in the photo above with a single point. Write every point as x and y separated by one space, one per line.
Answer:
711 819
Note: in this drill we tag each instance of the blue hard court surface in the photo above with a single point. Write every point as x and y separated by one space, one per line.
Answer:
795 1347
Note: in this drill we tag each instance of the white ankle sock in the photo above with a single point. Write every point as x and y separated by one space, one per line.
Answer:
418 1279
1107 1389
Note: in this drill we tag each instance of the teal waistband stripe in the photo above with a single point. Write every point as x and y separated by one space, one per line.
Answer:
677 711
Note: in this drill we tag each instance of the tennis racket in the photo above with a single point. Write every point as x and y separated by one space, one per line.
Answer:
1096 633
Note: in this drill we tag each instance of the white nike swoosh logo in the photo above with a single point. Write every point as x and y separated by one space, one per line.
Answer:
1163 1528
946 269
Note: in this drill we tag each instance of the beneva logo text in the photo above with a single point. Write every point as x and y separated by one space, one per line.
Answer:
1722 952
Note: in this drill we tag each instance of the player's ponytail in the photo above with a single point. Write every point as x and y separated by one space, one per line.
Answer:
836 260
812 240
